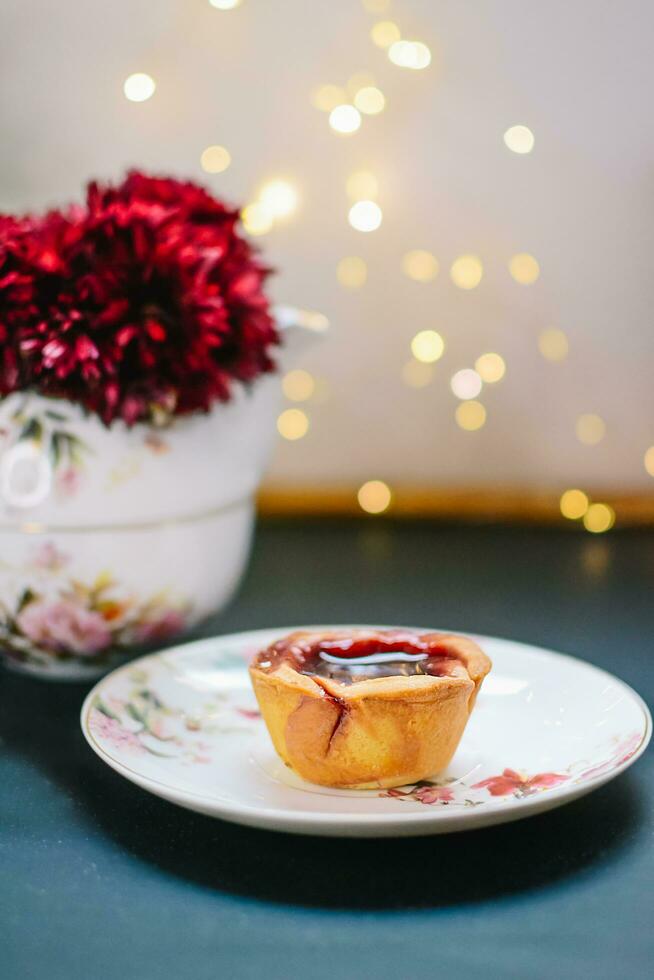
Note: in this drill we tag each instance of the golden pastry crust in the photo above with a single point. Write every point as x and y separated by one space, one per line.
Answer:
377 732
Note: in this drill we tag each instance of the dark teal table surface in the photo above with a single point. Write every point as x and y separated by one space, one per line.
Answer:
100 880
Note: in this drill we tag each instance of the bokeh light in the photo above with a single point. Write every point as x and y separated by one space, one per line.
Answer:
352 272
376 6
470 416
599 518
360 79
298 385
215 159
374 497
427 346
327 97
553 344
466 383
293 424
256 218
590 429
345 119
370 100
365 216
385 33
417 374
648 460
524 268
466 271
420 265
490 367
279 197
520 139
362 186
224 4
410 54
574 504
139 87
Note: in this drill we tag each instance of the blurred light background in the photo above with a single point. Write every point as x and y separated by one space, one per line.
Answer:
463 188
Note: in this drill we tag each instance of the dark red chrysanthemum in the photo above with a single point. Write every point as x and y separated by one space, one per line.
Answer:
145 302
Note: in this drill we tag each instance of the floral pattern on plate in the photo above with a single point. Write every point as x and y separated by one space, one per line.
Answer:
140 722
511 783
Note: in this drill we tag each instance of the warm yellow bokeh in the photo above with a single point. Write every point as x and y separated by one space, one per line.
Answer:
427 346
224 4
327 97
360 79
574 504
376 6
553 345
466 271
420 265
256 218
599 518
139 87
362 186
293 424
410 54
215 159
490 367
352 272
370 100
279 196
345 119
520 139
417 374
298 385
466 383
374 496
470 416
385 33
524 268
648 460
365 216
590 429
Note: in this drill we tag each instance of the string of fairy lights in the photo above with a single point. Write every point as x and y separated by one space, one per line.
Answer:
346 106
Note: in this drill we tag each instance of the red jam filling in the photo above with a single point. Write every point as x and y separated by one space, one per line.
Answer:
357 657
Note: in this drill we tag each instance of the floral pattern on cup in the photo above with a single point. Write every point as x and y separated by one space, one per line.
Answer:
141 722
64 620
41 451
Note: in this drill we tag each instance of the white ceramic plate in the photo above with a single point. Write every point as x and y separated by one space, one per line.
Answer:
183 724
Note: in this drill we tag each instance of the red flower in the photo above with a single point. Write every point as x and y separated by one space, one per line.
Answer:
145 302
514 782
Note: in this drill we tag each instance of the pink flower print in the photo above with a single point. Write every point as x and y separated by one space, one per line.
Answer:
626 749
518 784
68 481
64 627
251 713
160 625
429 794
110 730
622 754
49 558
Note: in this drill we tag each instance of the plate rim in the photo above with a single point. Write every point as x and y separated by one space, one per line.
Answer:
336 823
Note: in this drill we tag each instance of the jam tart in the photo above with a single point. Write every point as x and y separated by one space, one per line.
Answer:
368 708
